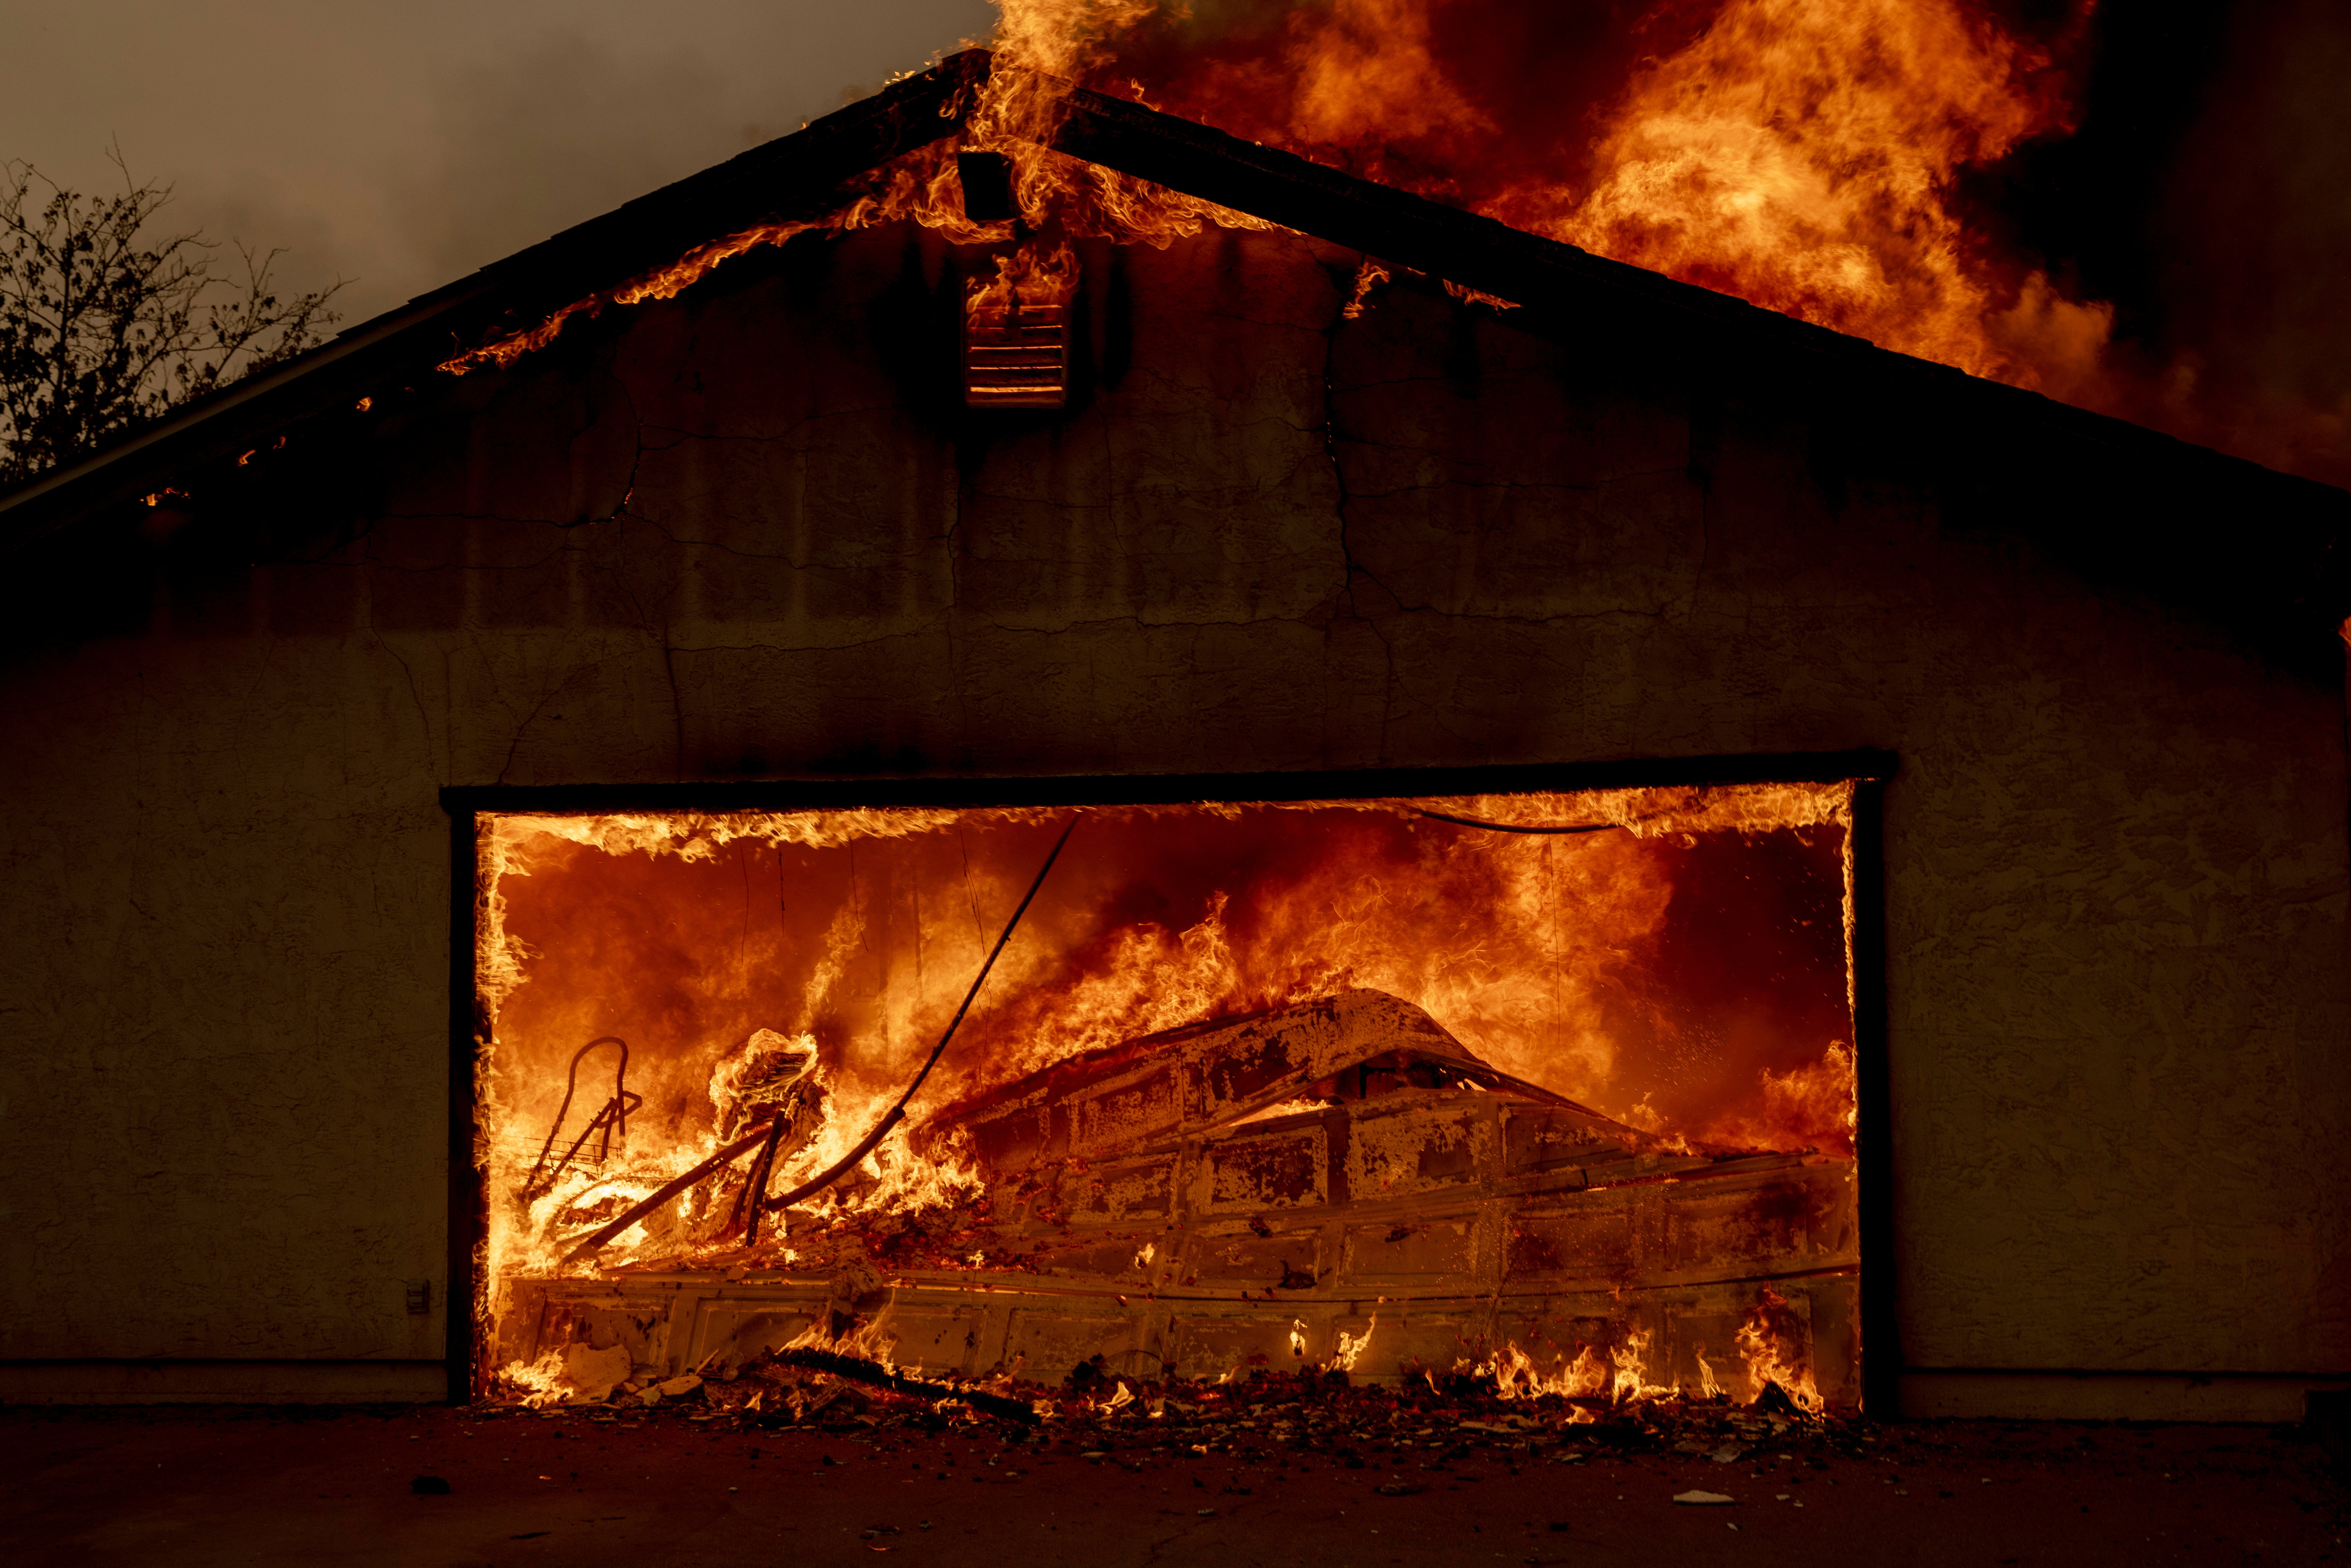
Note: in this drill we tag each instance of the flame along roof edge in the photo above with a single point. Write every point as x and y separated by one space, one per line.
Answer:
816 168
806 173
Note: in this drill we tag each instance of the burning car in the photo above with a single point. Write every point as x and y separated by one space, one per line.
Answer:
1339 1183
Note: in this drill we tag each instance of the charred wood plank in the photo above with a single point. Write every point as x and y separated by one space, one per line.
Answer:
872 1373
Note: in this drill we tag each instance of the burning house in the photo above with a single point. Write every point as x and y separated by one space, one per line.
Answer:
1013 736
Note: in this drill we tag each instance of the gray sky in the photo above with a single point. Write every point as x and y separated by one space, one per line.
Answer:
403 144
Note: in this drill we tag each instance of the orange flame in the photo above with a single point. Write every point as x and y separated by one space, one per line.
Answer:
1351 1347
1707 1388
1618 1374
1030 274
1802 155
1518 1375
1532 949
1776 1344
1804 1107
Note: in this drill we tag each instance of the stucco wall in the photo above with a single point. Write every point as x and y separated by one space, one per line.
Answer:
750 533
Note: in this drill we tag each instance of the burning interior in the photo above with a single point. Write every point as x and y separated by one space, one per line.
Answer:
1549 1091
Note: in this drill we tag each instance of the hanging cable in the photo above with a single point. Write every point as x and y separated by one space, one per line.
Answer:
897 1113
596 1241
1512 827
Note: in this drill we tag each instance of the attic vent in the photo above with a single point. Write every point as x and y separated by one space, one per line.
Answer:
1016 333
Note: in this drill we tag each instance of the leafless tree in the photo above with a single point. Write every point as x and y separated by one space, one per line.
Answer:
106 325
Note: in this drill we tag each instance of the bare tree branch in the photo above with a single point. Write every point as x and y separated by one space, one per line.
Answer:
106 327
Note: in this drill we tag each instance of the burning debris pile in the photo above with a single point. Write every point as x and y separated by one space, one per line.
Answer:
1227 1195
1431 1420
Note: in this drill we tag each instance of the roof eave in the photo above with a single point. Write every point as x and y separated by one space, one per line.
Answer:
801 175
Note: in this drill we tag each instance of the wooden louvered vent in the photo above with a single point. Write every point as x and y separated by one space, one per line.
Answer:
1015 342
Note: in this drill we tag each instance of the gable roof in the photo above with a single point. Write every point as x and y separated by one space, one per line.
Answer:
819 170
811 172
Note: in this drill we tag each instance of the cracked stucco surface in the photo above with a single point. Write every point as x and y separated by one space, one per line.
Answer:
746 534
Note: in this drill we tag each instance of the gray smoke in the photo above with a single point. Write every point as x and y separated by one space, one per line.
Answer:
401 143
2257 229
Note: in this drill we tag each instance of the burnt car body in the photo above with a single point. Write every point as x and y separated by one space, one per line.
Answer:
1337 1182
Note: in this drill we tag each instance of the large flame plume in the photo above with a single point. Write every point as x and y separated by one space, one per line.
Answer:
1807 155
1799 153
1684 968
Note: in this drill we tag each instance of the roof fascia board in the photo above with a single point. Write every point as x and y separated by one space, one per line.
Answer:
346 364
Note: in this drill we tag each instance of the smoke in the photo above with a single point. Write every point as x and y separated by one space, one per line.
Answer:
567 127
400 146
561 125
2255 230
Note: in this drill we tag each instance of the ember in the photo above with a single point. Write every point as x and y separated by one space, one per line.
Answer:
1429 1426
1483 1095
